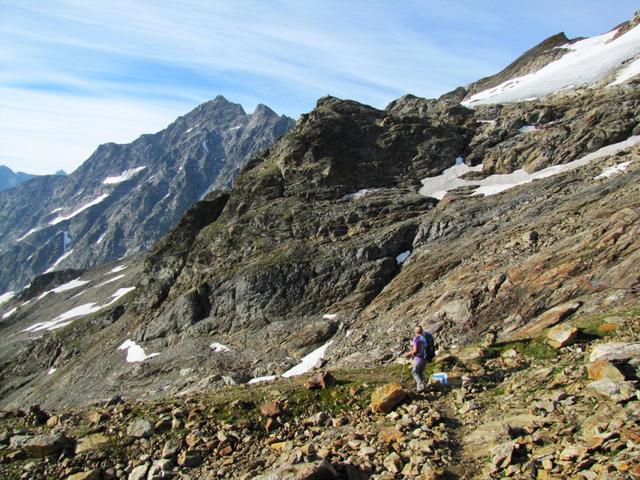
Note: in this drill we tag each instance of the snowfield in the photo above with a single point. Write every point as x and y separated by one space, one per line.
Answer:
586 62
123 177
438 186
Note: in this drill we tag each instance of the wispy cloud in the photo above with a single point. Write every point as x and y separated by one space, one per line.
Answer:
79 73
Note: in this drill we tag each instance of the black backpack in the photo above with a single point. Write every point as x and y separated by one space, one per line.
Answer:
430 348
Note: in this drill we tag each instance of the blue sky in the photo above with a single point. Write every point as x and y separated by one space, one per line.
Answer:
78 73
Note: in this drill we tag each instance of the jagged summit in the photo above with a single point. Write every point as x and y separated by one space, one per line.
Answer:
125 196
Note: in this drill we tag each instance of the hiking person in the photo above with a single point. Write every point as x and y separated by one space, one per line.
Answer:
422 346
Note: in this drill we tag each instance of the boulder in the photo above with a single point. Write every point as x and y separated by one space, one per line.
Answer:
139 473
140 429
562 335
95 474
616 391
320 470
271 408
616 351
603 368
320 380
548 319
385 398
44 445
90 442
190 459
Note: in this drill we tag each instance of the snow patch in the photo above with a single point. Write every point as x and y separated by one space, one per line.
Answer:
329 316
204 145
123 177
360 193
119 268
528 129
78 211
308 361
9 313
100 238
51 371
587 62
609 171
627 73
59 260
400 259
33 230
5 297
438 186
235 128
266 378
218 347
135 353
63 319
114 279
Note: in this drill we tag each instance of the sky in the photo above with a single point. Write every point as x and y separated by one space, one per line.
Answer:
75 74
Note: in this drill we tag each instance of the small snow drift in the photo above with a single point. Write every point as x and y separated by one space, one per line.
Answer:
360 193
114 279
400 259
218 347
59 261
117 269
586 62
64 319
64 287
79 210
135 353
33 230
610 171
438 186
123 177
330 316
5 297
9 313
627 73
266 378
308 362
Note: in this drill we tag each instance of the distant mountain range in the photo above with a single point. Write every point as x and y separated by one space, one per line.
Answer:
125 197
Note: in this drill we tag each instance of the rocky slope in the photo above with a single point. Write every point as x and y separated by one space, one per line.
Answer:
9 178
125 197
354 226
564 404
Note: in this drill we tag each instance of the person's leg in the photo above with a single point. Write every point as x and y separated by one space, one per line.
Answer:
417 372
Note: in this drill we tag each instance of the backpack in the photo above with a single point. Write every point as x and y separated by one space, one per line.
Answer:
430 346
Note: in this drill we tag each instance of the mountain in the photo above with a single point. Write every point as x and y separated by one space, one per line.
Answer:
125 197
500 221
9 178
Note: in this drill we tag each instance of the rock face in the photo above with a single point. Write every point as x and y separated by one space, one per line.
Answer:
125 197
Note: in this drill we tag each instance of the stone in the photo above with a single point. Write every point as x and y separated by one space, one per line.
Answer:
603 368
390 435
530 237
95 474
139 472
393 463
562 336
53 421
190 459
90 442
170 449
271 408
387 397
44 445
320 380
616 391
615 351
97 417
160 470
319 470
140 429
503 455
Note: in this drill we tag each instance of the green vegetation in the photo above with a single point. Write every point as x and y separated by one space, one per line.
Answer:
536 348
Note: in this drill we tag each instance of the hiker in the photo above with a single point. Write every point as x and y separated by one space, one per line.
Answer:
421 352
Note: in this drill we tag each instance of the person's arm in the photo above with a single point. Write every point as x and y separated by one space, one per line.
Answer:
414 351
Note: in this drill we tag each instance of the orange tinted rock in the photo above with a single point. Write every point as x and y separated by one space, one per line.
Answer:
385 398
